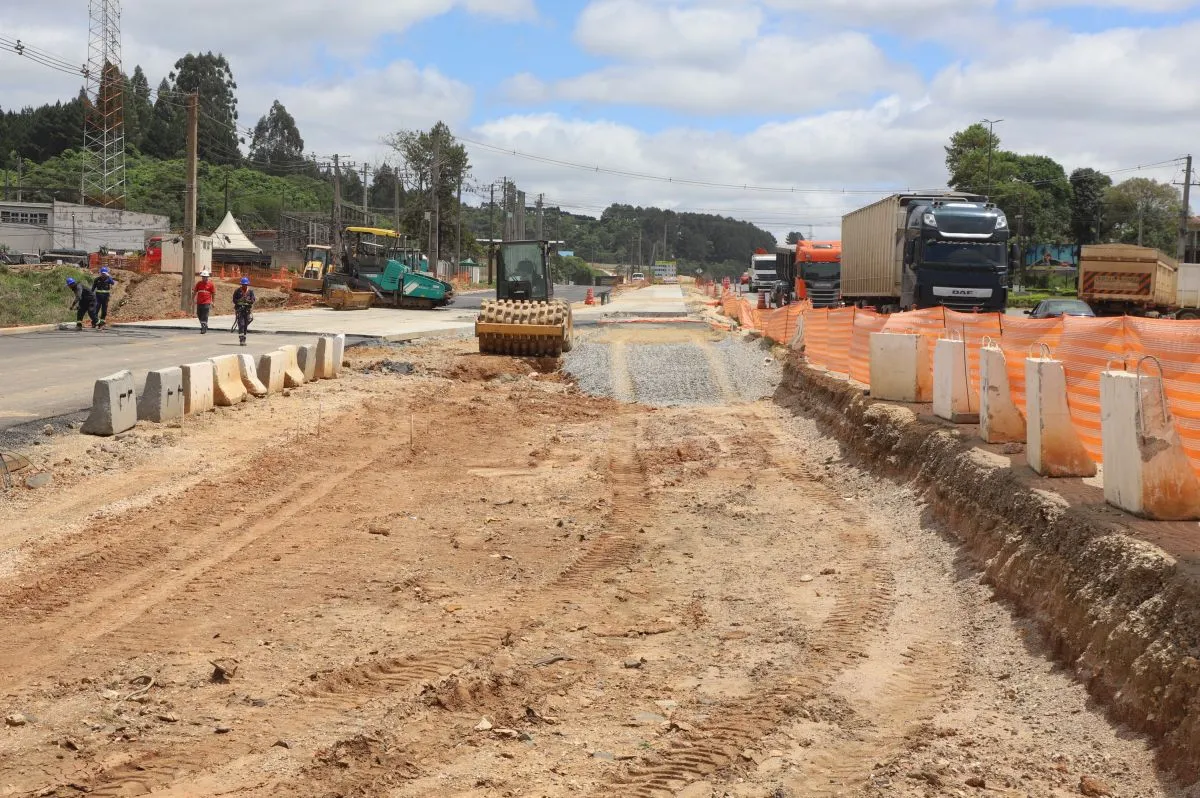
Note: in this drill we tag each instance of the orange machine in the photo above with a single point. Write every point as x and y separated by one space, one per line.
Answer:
819 266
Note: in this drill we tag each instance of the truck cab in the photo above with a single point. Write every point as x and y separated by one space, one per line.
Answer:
763 272
956 254
820 267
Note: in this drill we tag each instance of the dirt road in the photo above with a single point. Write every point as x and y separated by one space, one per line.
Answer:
538 593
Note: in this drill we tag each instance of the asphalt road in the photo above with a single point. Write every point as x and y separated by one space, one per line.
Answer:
571 293
46 374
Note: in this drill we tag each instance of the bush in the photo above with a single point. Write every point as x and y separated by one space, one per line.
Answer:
36 296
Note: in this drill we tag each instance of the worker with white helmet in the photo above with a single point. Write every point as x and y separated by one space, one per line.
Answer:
204 292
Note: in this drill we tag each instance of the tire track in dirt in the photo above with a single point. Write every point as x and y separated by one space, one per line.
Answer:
864 601
401 680
155 580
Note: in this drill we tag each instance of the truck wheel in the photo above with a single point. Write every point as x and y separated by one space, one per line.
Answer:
1188 315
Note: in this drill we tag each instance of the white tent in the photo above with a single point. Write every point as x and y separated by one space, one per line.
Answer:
228 237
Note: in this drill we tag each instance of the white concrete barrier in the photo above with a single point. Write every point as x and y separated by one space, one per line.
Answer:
197 387
339 353
1052 446
270 370
900 367
114 406
228 389
307 358
324 366
951 383
1000 420
248 371
293 375
162 397
1146 471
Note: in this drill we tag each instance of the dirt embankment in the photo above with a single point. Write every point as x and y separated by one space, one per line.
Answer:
1118 610
139 297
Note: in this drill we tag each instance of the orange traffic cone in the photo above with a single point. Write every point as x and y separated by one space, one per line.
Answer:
590 299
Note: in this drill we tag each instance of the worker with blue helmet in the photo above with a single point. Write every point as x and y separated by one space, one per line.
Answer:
83 303
102 288
243 305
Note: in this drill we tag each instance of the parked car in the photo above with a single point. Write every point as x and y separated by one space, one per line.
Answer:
638 277
1054 308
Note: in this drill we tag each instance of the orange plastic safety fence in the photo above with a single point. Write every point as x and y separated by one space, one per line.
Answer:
780 325
973 328
1020 338
816 337
748 316
865 323
841 336
1176 346
1087 346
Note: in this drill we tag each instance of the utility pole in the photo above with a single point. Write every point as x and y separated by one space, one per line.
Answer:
491 233
226 192
1187 211
366 205
396 202
435 257
335 235
540 199
991 142
458 229
189 205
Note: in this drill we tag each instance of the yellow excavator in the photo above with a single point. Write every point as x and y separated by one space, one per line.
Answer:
317 263
524 319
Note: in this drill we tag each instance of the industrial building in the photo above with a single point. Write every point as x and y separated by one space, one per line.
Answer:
42 226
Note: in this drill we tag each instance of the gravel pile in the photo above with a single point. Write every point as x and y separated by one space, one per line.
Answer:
670 375
591 366
748 368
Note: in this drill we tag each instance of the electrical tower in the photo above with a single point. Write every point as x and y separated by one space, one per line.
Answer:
103 181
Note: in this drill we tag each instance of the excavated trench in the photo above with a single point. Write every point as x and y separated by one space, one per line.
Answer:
1119 611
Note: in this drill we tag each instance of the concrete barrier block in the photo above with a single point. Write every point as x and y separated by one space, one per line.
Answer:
1000 420
951 383
1052 446
248 371
1146 471
270 370
162 397
197 387
900 368
324 367
114 405
307 357
339 353
293 375
228 389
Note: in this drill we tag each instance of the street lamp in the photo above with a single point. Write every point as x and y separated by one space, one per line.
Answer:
991 143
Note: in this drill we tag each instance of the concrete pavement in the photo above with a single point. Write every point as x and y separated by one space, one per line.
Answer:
653 301
50 373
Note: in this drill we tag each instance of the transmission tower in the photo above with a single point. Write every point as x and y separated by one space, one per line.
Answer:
103 181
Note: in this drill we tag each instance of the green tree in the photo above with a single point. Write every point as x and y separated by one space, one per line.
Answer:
967 158
165 136
211 78
794 237
1143 211
277 146
1087 199
426 154
382 193
138 109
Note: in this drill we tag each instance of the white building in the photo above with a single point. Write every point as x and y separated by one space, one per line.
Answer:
41 226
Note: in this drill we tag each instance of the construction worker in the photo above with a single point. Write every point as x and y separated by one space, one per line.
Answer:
84 302
243 304
204 291
102 287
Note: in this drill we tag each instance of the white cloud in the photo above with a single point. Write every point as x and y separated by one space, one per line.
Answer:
774 74
1143 6
634 30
